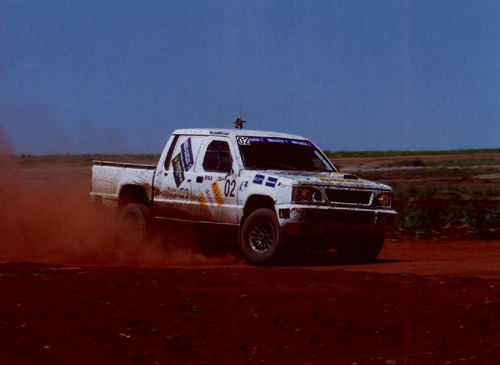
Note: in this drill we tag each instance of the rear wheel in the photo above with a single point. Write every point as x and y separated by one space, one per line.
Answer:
261 237
134 224
361 250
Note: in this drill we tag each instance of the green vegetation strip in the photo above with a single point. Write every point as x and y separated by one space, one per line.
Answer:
437 173
458 163
439 211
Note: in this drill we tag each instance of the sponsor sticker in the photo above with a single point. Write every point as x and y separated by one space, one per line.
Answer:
187 154
243 185
271 181
258 179
248 140
209 196
184 193
217 193
178 170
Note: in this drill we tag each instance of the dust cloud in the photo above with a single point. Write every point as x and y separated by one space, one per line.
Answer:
46 216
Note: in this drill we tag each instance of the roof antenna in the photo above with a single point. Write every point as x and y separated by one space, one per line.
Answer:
238 123
239 96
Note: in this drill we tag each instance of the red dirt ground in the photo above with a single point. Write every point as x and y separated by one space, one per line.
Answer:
236 314
70 294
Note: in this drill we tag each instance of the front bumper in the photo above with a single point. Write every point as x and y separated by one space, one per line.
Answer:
319 220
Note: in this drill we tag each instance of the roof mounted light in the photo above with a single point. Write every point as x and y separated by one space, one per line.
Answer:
238 123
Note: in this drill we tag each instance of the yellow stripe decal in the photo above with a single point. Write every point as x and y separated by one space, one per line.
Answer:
217 193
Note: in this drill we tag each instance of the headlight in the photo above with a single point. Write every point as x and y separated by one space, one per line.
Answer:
306 195
383 200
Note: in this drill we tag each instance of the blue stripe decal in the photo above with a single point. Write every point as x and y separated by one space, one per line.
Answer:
258 179
271 181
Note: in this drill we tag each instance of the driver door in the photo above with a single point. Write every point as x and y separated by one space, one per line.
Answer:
214 183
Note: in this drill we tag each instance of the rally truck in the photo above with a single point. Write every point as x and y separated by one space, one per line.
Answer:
274 188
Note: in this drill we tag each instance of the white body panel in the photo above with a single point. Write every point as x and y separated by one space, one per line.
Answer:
109 177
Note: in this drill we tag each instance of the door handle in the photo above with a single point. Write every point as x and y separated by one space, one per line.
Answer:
199 179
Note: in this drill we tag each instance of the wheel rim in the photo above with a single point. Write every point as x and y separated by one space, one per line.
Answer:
261 236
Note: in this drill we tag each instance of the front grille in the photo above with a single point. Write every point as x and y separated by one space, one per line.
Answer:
349 196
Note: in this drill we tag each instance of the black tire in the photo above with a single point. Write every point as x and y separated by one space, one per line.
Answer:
361 250
260 237
134 224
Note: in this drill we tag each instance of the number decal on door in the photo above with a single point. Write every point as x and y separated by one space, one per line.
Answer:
229 188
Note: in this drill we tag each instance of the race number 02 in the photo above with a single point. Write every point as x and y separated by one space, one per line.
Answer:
243 141
229 188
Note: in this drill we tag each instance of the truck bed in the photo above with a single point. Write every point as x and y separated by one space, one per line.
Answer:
108 177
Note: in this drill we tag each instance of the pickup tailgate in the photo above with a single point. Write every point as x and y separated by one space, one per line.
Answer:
109 177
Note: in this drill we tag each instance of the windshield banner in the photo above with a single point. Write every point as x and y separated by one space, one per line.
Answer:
248 140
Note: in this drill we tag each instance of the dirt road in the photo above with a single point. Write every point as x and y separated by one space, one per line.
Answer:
70 294
437 257
323 312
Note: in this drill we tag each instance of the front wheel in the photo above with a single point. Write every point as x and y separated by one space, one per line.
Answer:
261 237
134 224
361 250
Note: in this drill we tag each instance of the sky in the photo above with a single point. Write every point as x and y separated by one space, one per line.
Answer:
87 76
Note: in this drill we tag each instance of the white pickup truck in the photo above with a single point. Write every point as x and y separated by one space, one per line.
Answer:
271 186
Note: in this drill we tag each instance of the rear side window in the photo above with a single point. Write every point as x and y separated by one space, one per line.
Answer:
170 152
217 157
183 151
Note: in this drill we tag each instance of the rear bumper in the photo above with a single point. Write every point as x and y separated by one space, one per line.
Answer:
318 221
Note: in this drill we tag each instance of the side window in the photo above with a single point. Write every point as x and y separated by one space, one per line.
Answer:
170 152
217 157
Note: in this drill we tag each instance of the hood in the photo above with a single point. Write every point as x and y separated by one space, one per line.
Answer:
340 179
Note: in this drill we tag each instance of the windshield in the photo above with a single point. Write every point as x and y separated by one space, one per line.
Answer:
281 154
